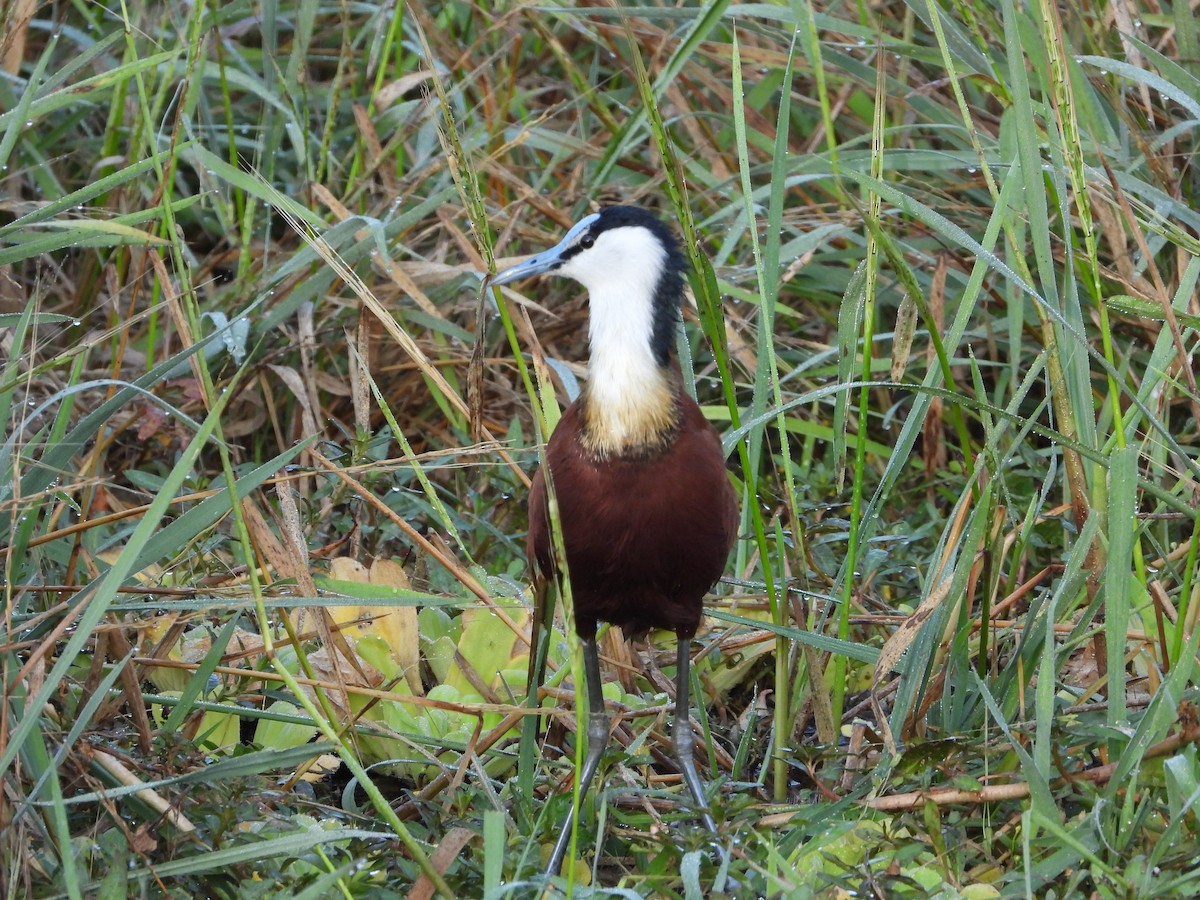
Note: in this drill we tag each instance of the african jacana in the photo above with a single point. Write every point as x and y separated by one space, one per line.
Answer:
647 511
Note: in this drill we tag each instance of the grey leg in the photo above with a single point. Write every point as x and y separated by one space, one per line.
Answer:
684 739
597 740
684 743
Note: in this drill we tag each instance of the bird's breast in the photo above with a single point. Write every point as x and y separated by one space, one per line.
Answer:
646 534
626 421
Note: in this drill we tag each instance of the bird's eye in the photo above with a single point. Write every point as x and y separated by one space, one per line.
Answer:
587 241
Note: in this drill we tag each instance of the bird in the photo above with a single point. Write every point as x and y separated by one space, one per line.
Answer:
647 511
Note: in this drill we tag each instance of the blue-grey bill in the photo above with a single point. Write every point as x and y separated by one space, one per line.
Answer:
547 260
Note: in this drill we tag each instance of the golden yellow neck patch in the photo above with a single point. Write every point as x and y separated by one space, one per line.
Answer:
630 424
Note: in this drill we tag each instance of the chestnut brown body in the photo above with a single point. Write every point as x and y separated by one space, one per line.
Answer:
646 535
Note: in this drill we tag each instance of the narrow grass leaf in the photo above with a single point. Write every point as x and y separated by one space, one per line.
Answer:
198 684
16 123
1118 578
290 845
849 649
230 768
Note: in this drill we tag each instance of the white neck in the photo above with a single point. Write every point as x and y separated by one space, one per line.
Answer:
630 404
626 385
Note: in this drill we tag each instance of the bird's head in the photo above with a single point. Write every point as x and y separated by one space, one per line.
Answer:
624 252
614 241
